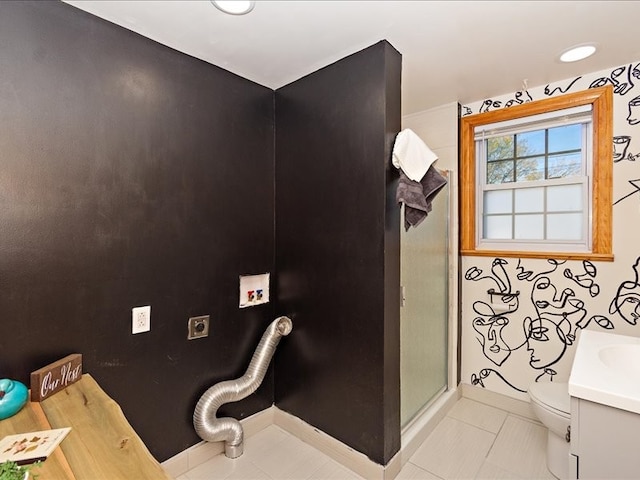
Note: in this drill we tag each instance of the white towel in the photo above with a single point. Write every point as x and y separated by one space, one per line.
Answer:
412 155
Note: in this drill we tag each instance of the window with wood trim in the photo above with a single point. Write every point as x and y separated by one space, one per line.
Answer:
536 179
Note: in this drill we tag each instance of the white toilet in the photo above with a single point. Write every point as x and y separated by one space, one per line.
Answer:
551 404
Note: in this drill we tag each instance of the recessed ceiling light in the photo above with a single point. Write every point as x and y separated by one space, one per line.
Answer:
234 7
579 52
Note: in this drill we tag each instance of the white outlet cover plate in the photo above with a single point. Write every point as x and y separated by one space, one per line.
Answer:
140 319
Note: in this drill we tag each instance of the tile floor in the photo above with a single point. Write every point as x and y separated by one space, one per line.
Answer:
474 441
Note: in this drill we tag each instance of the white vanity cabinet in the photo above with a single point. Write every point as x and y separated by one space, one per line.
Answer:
605 441
604 386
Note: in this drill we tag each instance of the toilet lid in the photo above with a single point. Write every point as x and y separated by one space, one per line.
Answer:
555 395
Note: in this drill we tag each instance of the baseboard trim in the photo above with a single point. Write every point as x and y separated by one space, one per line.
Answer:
499 400
412 437
338 451
203 451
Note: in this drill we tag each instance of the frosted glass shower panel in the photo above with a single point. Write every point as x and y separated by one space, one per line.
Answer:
424 314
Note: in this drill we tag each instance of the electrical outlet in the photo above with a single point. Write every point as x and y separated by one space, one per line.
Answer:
140 319
198 327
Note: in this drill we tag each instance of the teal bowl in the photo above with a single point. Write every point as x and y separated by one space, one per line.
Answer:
13 396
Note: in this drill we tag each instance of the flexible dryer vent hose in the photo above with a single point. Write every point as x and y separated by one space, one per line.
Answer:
213 429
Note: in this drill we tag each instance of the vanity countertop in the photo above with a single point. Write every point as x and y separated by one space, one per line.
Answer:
606 370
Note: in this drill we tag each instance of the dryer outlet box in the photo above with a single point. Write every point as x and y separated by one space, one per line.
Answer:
198 327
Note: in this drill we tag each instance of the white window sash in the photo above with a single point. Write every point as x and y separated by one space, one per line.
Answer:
541 245
543 121
569 116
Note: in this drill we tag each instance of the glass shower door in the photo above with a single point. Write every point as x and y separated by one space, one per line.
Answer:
424 312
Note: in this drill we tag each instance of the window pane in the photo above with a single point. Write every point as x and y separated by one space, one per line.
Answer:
497 227
500 172
564 198
529 227
568 137
498 201
564 226
563 166
529 200
499 148
529 169
530 143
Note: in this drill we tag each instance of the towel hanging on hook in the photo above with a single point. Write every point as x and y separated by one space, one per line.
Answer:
411 155
417 196
419 180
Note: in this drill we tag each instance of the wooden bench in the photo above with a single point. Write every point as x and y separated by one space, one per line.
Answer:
101 445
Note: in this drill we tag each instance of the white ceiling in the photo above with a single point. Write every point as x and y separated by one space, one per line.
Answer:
451 50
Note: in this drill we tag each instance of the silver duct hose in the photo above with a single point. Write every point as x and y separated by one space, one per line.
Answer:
229 430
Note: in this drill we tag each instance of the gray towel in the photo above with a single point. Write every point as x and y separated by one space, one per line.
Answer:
417 196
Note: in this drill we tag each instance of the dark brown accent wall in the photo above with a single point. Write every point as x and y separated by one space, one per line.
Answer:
338 250
130 175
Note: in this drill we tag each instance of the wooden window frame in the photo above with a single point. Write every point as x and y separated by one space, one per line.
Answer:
601 100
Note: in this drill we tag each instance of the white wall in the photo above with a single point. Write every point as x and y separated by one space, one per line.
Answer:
503 358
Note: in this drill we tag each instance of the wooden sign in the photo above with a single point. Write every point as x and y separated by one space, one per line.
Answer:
56 376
